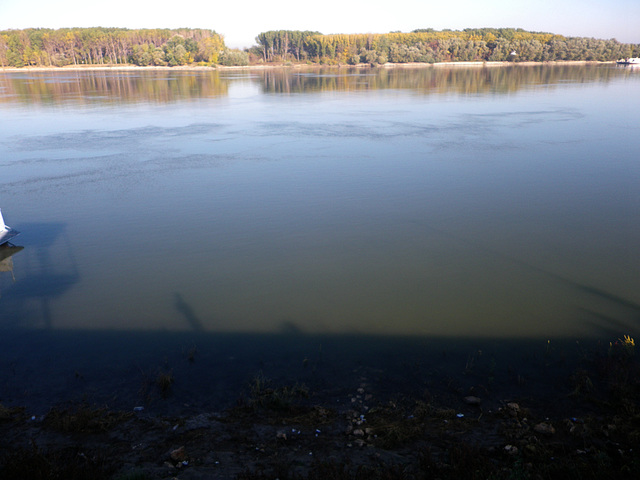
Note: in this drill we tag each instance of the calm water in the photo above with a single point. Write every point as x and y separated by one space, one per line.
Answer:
424 204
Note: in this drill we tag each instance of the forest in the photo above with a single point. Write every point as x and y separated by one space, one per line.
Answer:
431 46
115 46
167 47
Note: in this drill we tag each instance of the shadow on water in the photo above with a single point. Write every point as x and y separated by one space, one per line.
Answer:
47 271
622 314
41 368
627 312
608 324
609 297
187 312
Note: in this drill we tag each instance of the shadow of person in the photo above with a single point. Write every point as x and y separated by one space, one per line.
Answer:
187 312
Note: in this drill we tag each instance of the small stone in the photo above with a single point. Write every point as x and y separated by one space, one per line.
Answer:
513 409
471 400
358 432
179 455
281 435
511 449
544 428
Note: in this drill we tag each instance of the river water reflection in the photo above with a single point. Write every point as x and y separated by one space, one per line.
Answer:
498 202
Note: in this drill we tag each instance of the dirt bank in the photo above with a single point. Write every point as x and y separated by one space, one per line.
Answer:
590 430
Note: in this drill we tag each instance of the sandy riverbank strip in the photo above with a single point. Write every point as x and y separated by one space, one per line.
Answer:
199 68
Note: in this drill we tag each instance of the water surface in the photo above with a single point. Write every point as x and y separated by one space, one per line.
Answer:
451 201
427 203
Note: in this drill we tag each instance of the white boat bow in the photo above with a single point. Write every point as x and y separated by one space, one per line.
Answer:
6 232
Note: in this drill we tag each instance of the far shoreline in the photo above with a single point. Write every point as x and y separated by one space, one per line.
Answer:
199 68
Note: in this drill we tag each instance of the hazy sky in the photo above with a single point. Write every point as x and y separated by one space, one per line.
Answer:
241 20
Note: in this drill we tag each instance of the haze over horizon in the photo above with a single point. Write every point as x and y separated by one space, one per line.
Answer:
241 22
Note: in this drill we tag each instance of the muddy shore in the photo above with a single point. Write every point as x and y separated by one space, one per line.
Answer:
584 423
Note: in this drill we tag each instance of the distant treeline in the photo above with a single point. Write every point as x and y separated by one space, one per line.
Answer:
98 46
430 46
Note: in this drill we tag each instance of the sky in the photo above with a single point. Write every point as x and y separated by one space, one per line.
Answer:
240 21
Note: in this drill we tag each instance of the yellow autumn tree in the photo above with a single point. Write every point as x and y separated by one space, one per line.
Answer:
211 48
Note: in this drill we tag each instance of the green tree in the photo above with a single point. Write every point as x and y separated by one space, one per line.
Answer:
234 58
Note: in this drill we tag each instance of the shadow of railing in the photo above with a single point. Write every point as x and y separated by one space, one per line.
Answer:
46 271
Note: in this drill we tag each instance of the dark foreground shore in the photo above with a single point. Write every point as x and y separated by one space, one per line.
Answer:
577 417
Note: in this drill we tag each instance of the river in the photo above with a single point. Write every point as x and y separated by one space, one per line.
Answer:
388 204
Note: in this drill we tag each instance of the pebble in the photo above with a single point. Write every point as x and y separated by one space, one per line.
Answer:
179 455
544 428
511 449
471 400
513 409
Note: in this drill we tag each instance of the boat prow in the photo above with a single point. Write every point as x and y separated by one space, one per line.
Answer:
6 232
629 61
